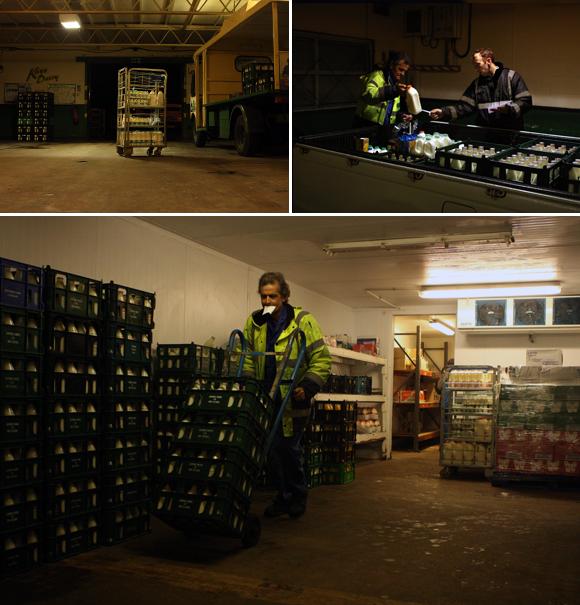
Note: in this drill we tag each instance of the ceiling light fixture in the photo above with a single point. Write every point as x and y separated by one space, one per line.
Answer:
490 290
442 327
442 239
383 300
70 21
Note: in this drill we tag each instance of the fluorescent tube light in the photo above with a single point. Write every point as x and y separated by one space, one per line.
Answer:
442 239
70 21
490 290
441 327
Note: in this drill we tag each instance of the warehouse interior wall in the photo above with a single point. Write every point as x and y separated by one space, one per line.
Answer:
510 349
200 293
539 40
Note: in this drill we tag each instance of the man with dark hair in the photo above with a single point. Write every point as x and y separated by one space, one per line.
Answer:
499 95
268 330
380 100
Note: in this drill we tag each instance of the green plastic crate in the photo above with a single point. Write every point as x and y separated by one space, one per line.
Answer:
338 474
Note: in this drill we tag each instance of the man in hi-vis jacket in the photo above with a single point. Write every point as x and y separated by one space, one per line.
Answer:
268 330
499 95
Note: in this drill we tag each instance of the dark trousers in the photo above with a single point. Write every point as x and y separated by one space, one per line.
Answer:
286 462
382 133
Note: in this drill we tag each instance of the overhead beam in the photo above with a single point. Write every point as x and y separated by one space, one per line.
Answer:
109 26
102 11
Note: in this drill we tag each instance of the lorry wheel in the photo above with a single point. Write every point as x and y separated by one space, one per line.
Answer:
247 143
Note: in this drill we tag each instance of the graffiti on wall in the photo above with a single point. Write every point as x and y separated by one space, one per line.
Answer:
40 75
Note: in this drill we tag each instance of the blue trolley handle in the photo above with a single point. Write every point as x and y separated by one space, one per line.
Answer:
277 381
244 347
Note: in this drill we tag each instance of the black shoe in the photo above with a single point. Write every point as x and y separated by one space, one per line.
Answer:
297 507
277 508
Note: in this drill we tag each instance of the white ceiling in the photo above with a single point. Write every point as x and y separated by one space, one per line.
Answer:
545 248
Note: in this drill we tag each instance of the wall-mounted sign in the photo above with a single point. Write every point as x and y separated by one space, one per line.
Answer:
544 357
491 312
530 312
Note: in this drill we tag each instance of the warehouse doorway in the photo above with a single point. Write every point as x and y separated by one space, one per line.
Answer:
102 95
423 345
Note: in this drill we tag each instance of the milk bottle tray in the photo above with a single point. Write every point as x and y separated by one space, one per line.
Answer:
572 173
472 157
521 171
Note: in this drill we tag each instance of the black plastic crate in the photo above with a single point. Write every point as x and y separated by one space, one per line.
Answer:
313 453
212 465
561 149
167 409
313 474
191 359
218 507
540 177
67 457
127 416
335 412
126 451
126 487
72 377
338 474
20 507
451 158
20 420
572 173
128 343
20 376
20 285
20 331
20 464
234 395
173 386
20 550
69 497
73 337
71 536
129 306
341 453
128 379
70 294
71 416
125 522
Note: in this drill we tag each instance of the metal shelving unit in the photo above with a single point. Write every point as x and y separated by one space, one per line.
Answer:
470 402
414 419
141 110
345 361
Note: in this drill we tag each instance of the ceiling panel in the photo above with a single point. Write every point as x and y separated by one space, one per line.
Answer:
544 248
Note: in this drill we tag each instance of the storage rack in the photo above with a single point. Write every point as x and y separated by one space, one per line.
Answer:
72 383
127 413
415 418
141 110
34 117
353 366
330 443
21 405
470 398
538 426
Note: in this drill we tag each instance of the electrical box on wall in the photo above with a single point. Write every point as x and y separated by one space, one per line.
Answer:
557 313
437 21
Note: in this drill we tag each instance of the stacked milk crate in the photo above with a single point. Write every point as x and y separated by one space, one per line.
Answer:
20 416
538 432
127 413
176 367
73 324
329 443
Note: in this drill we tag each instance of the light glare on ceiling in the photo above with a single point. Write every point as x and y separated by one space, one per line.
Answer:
441 327
489 290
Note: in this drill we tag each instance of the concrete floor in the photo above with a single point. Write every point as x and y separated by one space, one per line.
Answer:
91 177
398 535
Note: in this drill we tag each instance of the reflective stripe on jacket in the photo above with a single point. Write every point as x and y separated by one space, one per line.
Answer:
315 368
380 101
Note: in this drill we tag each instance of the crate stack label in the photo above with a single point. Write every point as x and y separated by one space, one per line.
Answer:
34 117
177 365
127 413
213 464
73 384
21 406
330 443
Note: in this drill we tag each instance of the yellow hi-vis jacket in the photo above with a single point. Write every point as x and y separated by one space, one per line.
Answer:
380 100
315 368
